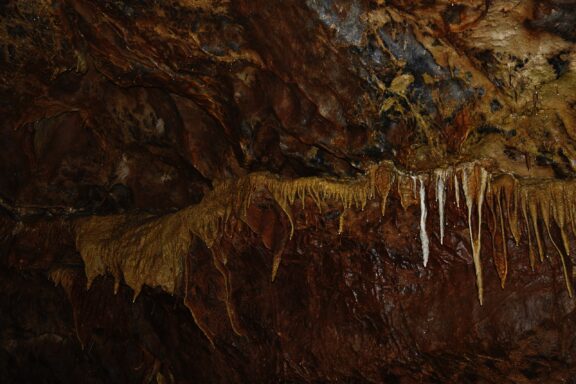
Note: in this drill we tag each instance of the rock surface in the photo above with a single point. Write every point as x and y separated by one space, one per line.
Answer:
128 131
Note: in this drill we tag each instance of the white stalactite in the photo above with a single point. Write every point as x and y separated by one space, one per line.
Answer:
423 214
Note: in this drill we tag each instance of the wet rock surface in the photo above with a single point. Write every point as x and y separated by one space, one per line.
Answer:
357 307
137 112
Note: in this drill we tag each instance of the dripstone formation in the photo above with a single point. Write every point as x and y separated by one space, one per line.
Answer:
318 191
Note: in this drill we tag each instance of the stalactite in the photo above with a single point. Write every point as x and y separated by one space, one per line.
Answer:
533 211
531 254
141 248
457 190
560 213
350 193
383 177
549 200
63 277
546 217
145 250
474 180
502 188
441 177
499 251
502 263
406 191
423 214
511 192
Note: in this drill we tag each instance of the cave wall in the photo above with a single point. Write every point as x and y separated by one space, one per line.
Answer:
161 173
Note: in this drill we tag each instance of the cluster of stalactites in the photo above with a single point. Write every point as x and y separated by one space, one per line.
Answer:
505 197
147 250
538 201
472 179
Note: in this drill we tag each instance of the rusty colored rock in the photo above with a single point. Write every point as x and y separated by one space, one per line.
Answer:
310 191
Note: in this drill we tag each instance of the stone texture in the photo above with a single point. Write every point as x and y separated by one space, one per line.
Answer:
143 107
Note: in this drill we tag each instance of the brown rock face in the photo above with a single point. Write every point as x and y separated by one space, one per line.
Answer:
318 191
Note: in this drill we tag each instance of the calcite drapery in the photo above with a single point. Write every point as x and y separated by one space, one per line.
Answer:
152 251
118 118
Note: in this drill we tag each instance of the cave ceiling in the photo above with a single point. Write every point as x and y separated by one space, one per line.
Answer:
314 191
